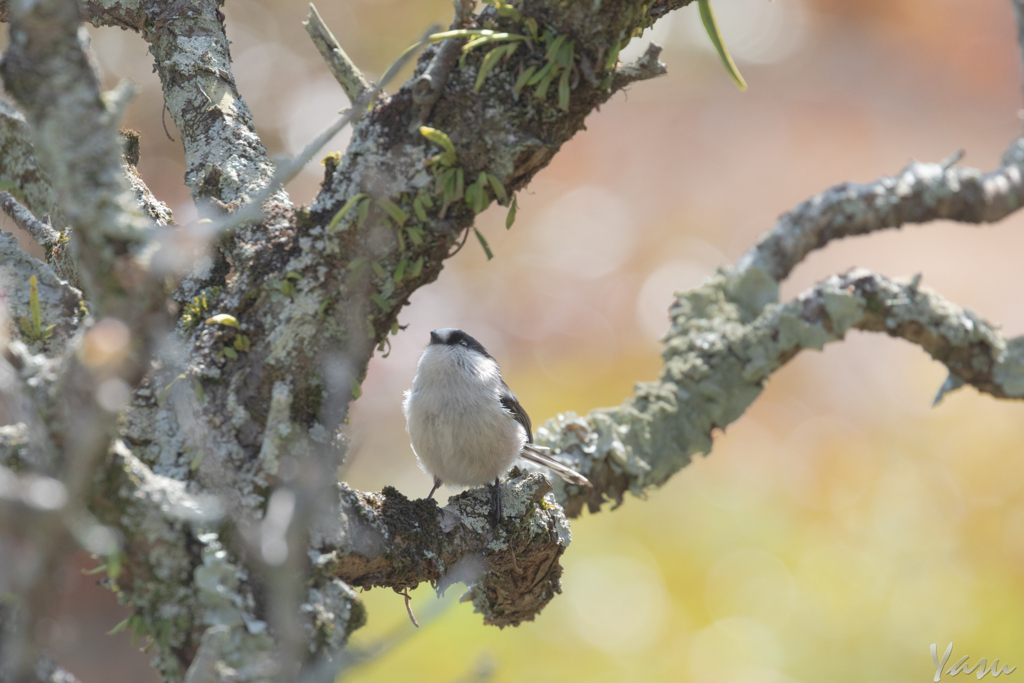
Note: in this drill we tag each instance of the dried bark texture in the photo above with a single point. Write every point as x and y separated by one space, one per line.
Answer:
513 568
219 476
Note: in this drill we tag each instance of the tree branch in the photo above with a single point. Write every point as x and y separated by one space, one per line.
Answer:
225 158
388 540
919 194
348 75
43 234
20 169
719 353
645 67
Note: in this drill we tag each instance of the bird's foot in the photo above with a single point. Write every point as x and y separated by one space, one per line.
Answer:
437 484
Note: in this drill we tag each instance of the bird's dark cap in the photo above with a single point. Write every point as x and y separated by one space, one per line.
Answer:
450 336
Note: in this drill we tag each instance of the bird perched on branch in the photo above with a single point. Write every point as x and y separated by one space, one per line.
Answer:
465 424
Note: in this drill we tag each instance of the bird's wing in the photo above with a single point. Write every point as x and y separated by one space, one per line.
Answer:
510 403
566 473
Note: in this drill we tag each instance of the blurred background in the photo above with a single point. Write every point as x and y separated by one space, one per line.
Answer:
842 525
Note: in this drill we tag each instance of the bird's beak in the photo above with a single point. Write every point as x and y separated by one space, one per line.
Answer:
435 338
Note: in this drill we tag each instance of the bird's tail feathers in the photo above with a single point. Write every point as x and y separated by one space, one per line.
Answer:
533 454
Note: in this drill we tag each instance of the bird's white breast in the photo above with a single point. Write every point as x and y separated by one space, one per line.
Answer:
458 428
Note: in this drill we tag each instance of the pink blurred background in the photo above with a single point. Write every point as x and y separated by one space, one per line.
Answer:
842 525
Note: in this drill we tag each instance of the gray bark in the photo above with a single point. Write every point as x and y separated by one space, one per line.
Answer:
212 489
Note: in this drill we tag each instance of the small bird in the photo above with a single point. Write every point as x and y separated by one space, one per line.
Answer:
465 424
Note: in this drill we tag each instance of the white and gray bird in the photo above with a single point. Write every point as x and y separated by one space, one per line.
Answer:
465 424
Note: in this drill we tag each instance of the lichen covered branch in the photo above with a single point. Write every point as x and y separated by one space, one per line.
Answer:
512 569
226 160
42 233
719 353
918 194
21 170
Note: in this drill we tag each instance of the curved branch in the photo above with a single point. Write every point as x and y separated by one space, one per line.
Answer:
918 194
718 357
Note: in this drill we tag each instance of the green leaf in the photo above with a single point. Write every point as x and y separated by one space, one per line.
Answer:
480 199
711 26
563 91
483 40
459 183
523 78
542 88
287 287
531 24
490 60
417 208
362 211
230 353
415 234
379 269
242 343
443 181
498 187
380 301
544 71
401 241
483 243
417 268
114 566
224 319
438 138
511 217
354 388
33 306
565 54
357 263
122 625
400 271
509 11
554 47
613 56
293 275
343 211
393 210
427 201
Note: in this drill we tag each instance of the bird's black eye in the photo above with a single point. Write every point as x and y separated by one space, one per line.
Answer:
463 343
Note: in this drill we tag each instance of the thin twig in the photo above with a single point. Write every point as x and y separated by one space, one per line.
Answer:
41 232
344 70
408 608
461 244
